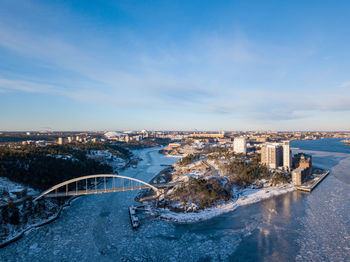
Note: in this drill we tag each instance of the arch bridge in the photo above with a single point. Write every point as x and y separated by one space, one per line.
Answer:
98 184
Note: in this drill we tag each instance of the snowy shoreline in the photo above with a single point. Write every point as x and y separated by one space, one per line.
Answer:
247 196
52 218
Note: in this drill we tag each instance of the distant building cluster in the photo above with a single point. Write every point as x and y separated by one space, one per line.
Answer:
274 147
209 135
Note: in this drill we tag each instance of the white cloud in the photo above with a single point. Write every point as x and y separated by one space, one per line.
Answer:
345 84
204 75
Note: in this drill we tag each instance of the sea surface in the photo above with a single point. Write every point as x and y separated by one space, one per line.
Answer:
291 227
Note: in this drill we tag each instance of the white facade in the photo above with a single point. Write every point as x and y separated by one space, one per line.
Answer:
287 156
240 145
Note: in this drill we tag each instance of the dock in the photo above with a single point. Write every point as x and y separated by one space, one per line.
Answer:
308 188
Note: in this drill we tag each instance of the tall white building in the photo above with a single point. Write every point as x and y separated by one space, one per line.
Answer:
240 145
60 140
287 155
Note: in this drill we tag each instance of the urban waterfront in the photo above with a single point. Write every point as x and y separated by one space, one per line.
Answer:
174 131
293 226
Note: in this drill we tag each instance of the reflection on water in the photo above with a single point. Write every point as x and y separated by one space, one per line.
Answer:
297 196
286 207
305 227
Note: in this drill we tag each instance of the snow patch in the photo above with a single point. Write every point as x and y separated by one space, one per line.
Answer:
247 196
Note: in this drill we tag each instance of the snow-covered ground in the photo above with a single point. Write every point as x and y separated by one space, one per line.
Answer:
247 196
97 228
10 187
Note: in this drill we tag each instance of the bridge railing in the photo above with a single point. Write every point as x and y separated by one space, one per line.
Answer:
94 184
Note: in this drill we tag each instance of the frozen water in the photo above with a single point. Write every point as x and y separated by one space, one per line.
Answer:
289 227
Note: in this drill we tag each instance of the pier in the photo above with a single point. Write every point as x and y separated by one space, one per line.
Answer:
312 184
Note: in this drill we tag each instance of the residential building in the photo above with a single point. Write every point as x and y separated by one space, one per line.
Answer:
240 145
299 175
272 155
60 141
287 156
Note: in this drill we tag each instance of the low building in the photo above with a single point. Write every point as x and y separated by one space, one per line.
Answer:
174 145
302 160
299 175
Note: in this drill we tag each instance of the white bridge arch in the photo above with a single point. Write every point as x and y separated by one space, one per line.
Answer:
96 190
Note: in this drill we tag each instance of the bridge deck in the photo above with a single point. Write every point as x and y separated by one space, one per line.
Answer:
107 190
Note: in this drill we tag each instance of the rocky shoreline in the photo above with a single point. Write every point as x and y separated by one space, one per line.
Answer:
31 227
55 216
247 196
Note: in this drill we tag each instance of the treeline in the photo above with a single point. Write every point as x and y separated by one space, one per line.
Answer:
204 193
39 168
12 214
189 159
5 138
15 218
244 173
79 150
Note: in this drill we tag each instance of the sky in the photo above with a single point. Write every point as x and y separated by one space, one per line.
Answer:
174 65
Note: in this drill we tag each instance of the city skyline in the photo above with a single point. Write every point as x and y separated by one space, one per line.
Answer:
174 65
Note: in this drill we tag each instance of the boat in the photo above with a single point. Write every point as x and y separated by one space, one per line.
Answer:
135 222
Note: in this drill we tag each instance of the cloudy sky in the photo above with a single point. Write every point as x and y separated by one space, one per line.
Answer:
165 65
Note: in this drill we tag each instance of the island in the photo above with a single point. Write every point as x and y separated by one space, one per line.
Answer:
210 180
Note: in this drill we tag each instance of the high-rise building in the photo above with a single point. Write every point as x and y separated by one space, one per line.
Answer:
272 155
60 140
287 156
240 145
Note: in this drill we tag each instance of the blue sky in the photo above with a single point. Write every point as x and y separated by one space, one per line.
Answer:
174 65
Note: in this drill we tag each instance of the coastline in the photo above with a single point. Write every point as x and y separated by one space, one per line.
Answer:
247 196
51 219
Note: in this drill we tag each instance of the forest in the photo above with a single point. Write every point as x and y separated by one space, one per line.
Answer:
41 168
